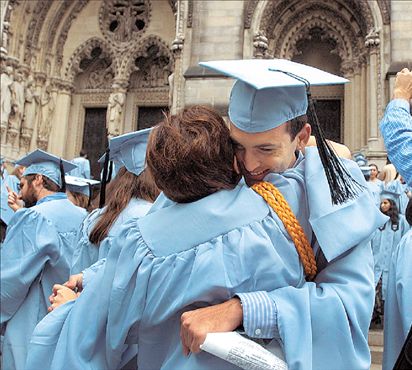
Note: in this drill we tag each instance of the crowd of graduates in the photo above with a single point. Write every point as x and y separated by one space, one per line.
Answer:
200 226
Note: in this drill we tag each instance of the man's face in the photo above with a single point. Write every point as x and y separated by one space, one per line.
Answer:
260 153
27 192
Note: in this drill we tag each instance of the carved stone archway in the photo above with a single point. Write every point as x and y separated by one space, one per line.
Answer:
279 27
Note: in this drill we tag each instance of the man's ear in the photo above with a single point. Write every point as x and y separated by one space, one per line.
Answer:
38 180
303 137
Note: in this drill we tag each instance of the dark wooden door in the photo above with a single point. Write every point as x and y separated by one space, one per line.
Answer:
95 137
329 115
149 116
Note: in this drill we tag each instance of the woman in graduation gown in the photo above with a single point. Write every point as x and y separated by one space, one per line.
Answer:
398 312
218 240
131 195
384 241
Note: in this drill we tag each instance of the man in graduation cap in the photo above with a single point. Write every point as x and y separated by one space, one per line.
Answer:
37 251
269 117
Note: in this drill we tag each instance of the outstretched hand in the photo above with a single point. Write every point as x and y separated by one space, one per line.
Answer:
194 325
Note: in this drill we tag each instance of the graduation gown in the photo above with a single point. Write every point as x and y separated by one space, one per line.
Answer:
398 312
86 253
186 256
35 255
384 242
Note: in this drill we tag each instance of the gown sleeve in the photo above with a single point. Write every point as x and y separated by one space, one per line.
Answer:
321 322
31 242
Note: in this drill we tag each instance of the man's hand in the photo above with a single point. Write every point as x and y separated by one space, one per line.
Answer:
61 295
14 200
403 85
75 282
194 325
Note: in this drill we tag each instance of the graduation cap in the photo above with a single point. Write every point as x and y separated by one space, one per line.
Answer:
271 92
128 149
43 163
80 184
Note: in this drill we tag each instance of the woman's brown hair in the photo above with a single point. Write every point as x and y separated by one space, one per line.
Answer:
190 155
122 189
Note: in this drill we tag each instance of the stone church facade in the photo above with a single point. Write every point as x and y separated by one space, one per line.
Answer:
77 72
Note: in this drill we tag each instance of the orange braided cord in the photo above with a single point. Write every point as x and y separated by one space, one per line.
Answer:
279 204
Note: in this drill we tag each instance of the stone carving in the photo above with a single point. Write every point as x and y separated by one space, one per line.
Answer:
114 117
80 4
4 38
32 100
17 108
250 9
124 20
372 39
171 80
152 66
6 98
260 43
47 105
86 54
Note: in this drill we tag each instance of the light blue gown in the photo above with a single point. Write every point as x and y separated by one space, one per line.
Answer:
185 256
384 242
6 212
396 186
82 169
86 253
35 255
376 189
398 306
13 183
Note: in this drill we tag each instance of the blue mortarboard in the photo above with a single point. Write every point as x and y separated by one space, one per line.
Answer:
386 194
269 92
43 163
130 149
79 184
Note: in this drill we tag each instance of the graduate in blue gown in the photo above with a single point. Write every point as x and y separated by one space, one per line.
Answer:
384 241
36 252
398 312
131 196
203 247
268 101
80 190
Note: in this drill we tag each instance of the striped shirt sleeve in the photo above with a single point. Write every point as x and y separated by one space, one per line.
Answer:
396 128
259 315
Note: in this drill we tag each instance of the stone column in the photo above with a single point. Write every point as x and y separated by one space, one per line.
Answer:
372 42
347 71
363 106
60 128
357 122
176 79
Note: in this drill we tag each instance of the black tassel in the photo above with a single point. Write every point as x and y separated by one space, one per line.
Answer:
63 180
109 176
104 179
342 186
90 195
